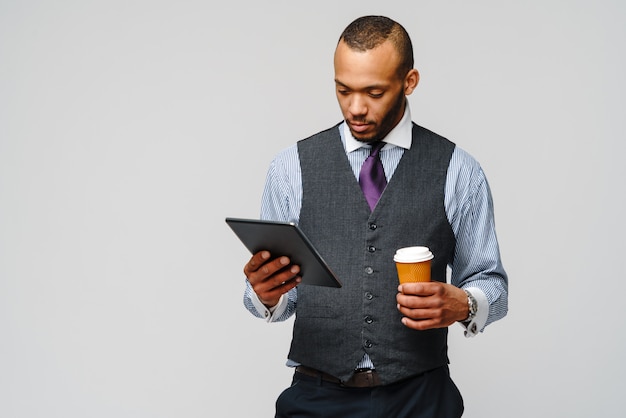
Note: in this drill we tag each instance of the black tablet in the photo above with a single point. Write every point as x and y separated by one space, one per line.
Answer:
285 238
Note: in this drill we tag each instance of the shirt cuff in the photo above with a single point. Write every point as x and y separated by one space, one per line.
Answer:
269 313
477 324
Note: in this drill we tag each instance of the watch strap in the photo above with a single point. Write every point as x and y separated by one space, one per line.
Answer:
472 305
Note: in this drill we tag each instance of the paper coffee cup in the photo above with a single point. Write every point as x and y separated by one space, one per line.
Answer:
413 264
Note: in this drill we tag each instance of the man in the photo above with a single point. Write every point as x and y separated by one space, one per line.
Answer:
372 347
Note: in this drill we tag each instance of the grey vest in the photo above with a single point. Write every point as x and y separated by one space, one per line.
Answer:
335 327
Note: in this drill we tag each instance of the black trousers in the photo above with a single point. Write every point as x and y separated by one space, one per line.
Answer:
429 395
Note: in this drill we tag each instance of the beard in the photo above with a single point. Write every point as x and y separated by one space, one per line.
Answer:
388 122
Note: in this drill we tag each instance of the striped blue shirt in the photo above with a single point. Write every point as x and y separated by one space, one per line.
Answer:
476 267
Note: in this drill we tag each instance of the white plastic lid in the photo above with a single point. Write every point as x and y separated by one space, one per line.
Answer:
412 255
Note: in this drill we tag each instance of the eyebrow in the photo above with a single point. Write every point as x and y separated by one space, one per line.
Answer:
373 86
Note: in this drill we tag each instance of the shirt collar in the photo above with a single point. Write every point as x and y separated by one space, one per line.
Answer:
400 135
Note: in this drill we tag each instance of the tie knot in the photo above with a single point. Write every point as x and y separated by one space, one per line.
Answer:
376 146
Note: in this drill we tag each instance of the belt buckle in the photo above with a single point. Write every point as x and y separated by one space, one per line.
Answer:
363 378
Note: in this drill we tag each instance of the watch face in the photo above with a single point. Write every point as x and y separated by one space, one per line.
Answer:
472 304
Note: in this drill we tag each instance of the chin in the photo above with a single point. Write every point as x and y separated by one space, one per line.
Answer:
364 138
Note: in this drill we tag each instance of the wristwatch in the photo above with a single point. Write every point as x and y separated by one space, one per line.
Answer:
472 305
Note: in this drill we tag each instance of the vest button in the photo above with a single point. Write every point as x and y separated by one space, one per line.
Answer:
367 344
372 226
369 270
368 319
371 249
369 296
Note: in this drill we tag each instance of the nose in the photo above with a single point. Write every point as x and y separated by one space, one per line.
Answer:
358 106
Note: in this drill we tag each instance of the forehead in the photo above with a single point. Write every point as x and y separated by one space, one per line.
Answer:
376 66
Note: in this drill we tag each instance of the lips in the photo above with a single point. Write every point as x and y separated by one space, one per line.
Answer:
359 127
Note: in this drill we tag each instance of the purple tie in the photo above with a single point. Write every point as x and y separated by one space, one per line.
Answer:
372 177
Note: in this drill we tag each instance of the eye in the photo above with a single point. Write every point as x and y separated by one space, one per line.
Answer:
376 94
343 92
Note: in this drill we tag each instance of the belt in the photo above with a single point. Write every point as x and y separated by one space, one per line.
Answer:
362 378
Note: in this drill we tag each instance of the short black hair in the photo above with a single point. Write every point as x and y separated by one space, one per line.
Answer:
368 32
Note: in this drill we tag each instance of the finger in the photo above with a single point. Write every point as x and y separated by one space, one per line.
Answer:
274 275
422 318
418 302
270 290
257 260
411 289
422 312
420 288
275 292
266 270
438 316
282 275
420 325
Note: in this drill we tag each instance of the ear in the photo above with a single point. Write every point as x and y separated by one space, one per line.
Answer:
410 81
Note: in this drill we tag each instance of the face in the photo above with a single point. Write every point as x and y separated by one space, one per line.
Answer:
370 92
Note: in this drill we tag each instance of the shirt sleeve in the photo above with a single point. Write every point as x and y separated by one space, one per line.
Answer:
477 266
285 307
280 202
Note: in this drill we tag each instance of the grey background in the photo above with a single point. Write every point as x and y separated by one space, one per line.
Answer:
130 129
